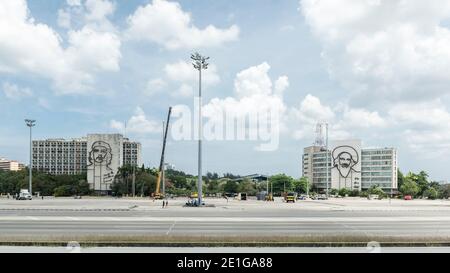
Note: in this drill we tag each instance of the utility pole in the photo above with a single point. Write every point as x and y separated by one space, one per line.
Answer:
326 143
163 177
199 62
30 123
307 187
134 181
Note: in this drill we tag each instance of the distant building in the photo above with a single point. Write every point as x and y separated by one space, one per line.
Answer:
350 166
10 165
98 155
253 178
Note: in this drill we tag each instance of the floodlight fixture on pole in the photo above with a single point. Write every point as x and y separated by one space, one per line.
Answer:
30 123
200 63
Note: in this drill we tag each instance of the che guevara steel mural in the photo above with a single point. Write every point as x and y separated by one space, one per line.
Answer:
100 157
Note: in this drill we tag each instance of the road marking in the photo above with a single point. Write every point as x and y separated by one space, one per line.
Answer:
171 227
349 219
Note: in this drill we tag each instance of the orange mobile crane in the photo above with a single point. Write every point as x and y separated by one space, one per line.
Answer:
157 194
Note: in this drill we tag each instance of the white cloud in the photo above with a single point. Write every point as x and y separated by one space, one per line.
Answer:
391 50
361 118
425 126
64 19
185 90
14 92
281 84
99 10
154 86
92 13
30 47
73 2
254 96
139 123
165 23
252 81
311 110
253 89
304 118
344 122
184 72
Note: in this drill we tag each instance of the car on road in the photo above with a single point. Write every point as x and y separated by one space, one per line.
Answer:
322 197
407 197
290 197
24 195
301 197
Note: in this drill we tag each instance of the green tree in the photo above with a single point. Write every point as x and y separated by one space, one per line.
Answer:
334 191
178 181
344 192
422 182
231 187
213 187
281 183
145 181
301 185
247 186
431 193
445 191
375 189
409 187
400 178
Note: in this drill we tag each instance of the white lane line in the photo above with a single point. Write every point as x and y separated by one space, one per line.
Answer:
171 227
114 219
233 219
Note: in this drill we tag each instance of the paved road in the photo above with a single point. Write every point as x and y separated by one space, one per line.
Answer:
69 217
170 225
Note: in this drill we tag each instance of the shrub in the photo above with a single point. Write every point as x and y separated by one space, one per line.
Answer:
431 193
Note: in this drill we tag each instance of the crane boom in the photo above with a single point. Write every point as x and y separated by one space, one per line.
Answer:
161 164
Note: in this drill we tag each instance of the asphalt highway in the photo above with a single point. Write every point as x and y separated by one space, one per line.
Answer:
246 219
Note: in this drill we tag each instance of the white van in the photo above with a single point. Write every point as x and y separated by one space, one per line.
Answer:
24 195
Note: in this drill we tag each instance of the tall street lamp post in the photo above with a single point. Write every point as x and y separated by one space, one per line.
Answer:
30 123
326 143
200 63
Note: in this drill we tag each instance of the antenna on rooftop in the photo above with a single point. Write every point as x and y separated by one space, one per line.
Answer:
319 137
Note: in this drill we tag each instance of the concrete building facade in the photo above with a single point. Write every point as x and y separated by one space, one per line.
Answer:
10 165
97 155
350 166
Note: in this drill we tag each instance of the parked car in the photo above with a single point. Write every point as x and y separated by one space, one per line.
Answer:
322 197
24 195
290 197
301 197
407 197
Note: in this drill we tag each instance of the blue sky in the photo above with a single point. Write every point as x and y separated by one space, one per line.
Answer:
81 67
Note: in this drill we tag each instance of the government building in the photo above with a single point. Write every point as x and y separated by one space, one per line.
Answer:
97 155
10 165
350 166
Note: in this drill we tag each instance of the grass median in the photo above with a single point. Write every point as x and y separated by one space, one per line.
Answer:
225 241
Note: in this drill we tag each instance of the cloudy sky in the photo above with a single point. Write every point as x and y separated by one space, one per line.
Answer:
377 70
